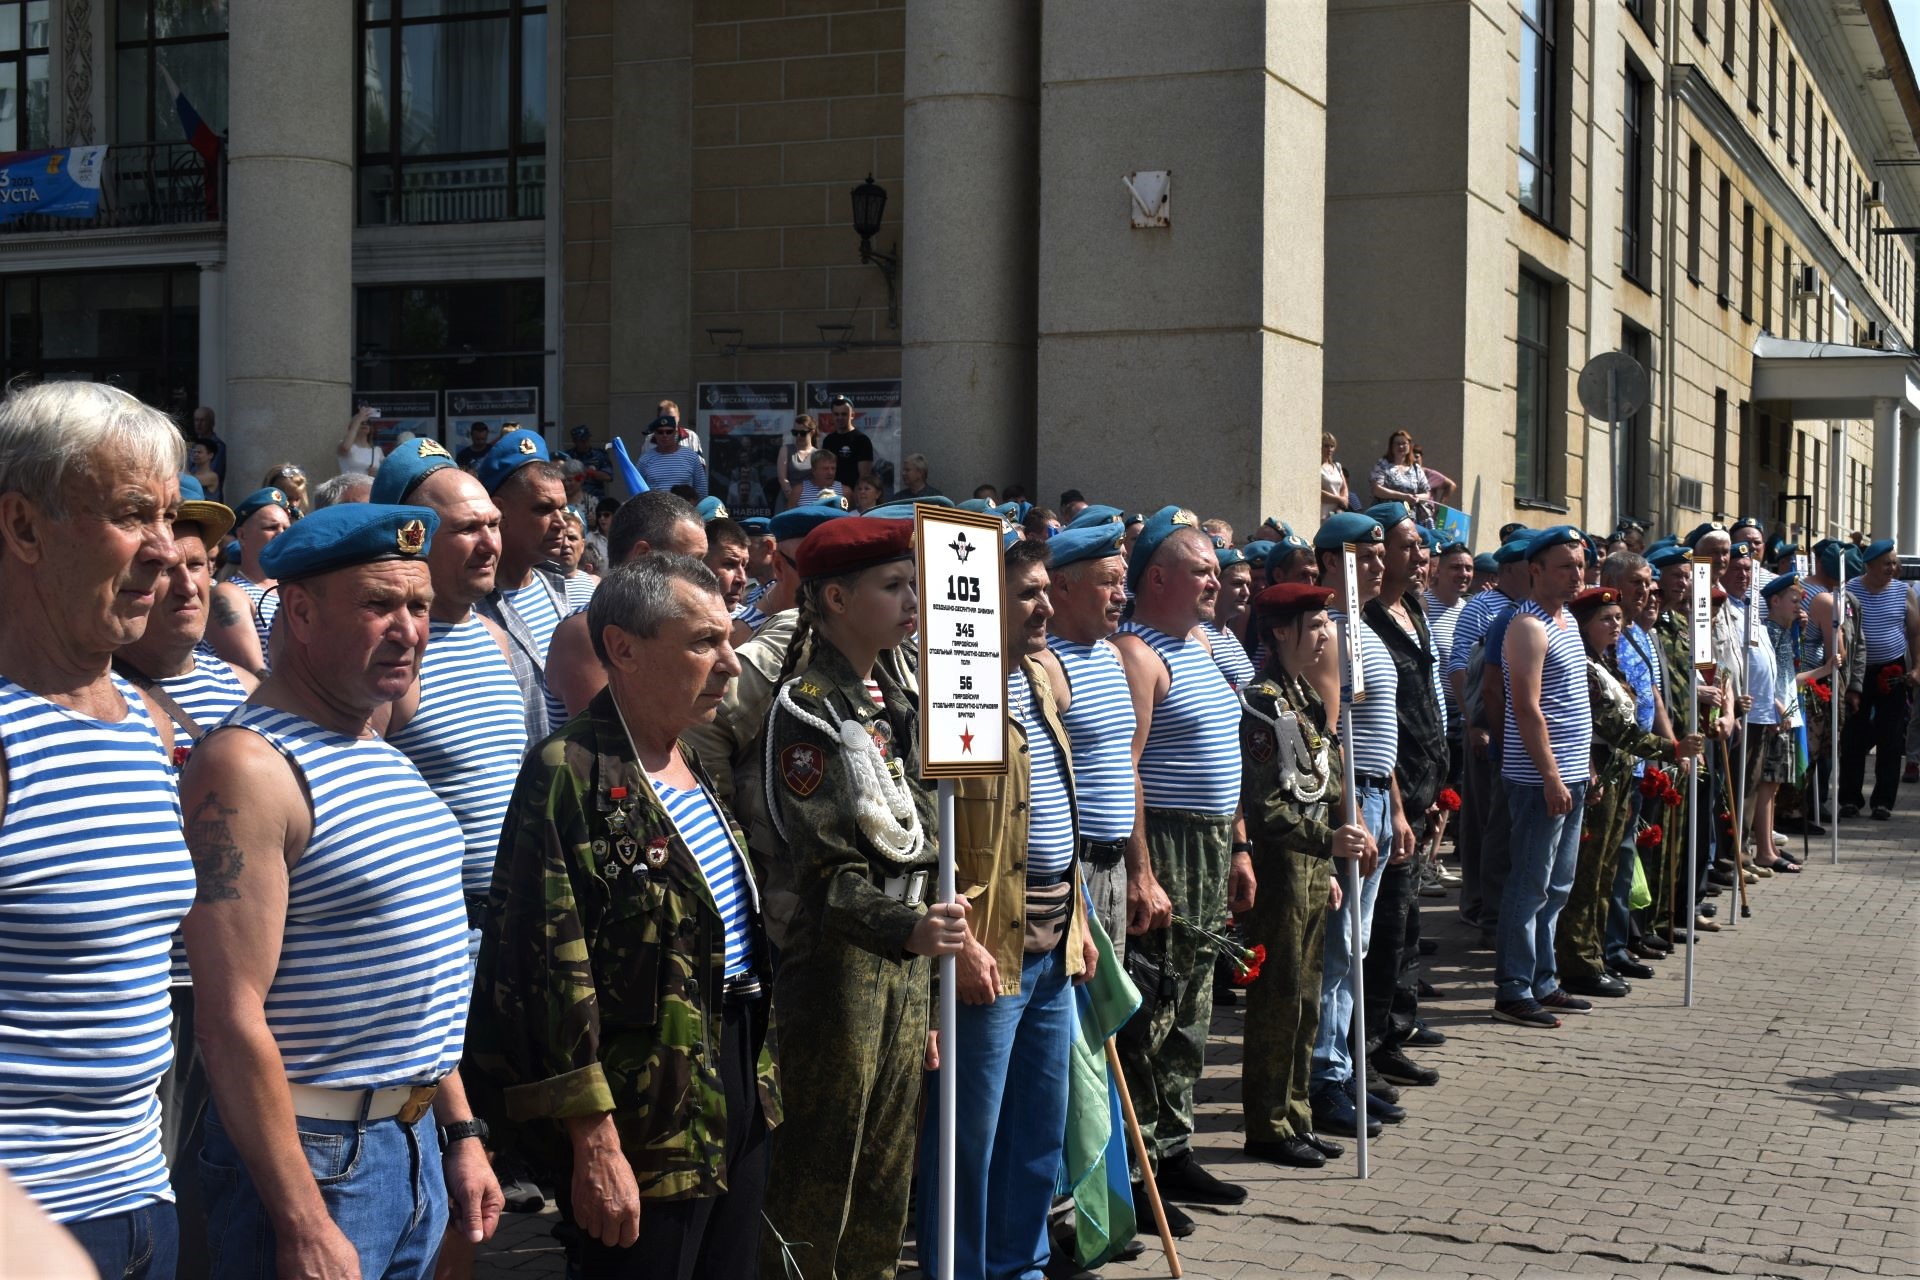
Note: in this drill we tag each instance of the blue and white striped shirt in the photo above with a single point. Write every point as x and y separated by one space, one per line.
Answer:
1376 717
1470 628
699 823
1049 807
536 606
751 616
1100 725
681 466
372 988
264 603
1229 655
94 877
468 737
1442 619
208 692
1883 620
1191 759
1563 701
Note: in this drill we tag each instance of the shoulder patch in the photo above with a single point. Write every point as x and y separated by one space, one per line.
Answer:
810 689
801 769
1260 744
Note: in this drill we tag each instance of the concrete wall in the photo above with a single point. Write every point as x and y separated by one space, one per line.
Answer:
586 207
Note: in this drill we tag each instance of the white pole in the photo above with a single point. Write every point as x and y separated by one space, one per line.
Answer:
949 1014
1740 822
1837 683
1356 936
1699 603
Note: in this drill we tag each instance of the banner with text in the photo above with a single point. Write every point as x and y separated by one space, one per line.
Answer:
963 674
876 411
62 183
743 425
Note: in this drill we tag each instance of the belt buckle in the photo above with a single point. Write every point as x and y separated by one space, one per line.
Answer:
417 1103
916 888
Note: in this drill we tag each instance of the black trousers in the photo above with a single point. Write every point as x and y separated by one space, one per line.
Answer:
184 1091
712 1237
1393 957
1880 726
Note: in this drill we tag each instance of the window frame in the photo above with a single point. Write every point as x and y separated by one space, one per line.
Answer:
1538 353
1753 56
152 45
1723 276
1793 101
1547 96
1746 262
1694 193
1636 186
1773 80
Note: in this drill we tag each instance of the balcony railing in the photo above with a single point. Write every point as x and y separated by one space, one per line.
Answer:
462 190
145 184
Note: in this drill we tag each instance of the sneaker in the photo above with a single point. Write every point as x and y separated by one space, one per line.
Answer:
1561 1002
1453 880
1400 1069
1425 1035
1881 813
521 1192
1524 1013
1333 1112
1179 1224
1183 1178
1432 888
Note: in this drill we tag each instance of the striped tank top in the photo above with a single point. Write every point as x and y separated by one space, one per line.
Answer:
94 877
699 823
1376 717
751 616
208 692
535 605
1813 645
1471 626
1191 759
1049 807
1563 700
1100 724
1229 655
1441 621
264 603
1883 619
372 987
468 737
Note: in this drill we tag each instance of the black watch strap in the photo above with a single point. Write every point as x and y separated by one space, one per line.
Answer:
452 1133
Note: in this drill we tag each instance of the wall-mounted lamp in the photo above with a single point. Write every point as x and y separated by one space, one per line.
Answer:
869 206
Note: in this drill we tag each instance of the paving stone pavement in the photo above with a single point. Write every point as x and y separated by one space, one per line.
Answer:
1772 1129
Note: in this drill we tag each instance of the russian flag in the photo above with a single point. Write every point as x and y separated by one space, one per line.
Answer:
200 135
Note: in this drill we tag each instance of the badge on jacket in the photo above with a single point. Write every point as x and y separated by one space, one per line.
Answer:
801 767
1260 744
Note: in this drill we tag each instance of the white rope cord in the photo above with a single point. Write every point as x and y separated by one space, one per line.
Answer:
1295 758
882 804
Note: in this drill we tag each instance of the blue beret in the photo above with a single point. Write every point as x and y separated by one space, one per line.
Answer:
191 489
1744 522
260 500
1560 535
1389 514
1094 542
1258 550
891 511
975 504
1702 530
1779 583
1431 537
1856 563
1012 535
1229 556
1095 515
1485 563
1828 557
1449 543
1875 549
756 526
828 498
404 469
711 508
798 522
1347 526
1160 527
1661 544
1275 522
1667 557
1512 530
348 534
1285 549
1741 551
507 455
1134 519
1013 512
1513 552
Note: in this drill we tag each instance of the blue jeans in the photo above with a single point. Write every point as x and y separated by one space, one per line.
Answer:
1007 1140
381 1181
1546 850
1332 1054
136 1245
1619 913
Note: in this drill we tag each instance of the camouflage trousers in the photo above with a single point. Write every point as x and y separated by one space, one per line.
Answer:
1162 1055
1579 940
1289 918
853 1043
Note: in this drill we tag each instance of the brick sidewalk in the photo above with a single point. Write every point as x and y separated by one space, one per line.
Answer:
1771 1130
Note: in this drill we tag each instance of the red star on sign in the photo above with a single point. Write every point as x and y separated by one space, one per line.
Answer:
966 741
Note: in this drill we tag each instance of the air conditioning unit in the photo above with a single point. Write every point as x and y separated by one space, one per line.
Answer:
1876 195
1806 281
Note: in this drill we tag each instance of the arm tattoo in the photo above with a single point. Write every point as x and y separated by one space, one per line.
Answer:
216 858
223 611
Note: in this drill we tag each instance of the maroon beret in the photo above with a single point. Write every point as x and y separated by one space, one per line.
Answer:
1584 604
1291 597
853 543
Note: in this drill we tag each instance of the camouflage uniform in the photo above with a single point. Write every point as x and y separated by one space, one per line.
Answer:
851 1001
599 983
1676 653
1292 859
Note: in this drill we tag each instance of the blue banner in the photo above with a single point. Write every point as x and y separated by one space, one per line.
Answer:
62 183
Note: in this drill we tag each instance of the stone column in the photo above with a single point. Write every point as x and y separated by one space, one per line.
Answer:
213 340
1908 499
968 248
290 217
1886 470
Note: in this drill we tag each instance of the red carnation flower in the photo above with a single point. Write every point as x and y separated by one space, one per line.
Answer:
1448 800
1821 692
1891 676
1650 837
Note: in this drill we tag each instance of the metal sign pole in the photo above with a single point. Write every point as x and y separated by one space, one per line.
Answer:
949 1014
1837 683
1356 935
1700 624
1740 823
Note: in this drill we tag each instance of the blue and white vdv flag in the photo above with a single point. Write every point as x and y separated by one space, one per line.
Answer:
63 182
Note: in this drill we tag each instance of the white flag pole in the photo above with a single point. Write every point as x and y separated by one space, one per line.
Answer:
949 1014
1356 937
1740 822
1700 621
1837 683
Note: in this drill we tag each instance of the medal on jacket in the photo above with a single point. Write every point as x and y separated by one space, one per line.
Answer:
657 849
626 848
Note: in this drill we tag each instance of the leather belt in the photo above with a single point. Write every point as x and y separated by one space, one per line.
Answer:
742 988
1375 781
910 888
1044 879
1102 853
407 1101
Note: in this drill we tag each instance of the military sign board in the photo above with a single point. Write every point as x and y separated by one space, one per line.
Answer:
963 670
1700 610
1350 604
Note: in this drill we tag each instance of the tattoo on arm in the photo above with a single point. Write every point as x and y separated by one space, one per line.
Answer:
223 611
216 858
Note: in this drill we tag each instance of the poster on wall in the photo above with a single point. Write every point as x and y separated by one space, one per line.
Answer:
399 416
743 425
493 407
876 411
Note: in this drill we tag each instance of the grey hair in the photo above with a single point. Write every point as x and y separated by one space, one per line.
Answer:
649 517
50 432
639 597
333 490
1622 564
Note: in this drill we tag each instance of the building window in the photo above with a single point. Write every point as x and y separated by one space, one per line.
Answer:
1636 448
1636 182
1720 450
23 76
453 111
158 40
137 330
1773 81
1539 73
1806 155
1823 164
1700 20
1793 100
1724 275
1766 276
1746 263
1729 24
1753 55
1533 390
1693 212
449 337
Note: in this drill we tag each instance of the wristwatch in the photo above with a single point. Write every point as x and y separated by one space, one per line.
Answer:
452 1133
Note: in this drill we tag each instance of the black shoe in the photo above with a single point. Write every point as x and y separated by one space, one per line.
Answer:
1602 986
1379 1107
1712 890
1524 1013
1333 1112
1629 969
1130 1250
1325 1146
1717 876
1561 1002
1294 1151
1881 813
1485 942
1429 945
1179 1225
1183 1178
1849 810
1378 1087
1396 1066
1654 942
1428 991
1426 1036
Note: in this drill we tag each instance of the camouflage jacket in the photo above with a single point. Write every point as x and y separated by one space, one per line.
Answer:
840 877
1279 823
1676 652
1618 739
600 979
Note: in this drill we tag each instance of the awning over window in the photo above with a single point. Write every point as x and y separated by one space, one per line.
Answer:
1826 380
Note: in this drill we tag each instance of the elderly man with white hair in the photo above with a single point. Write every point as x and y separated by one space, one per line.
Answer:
94 872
